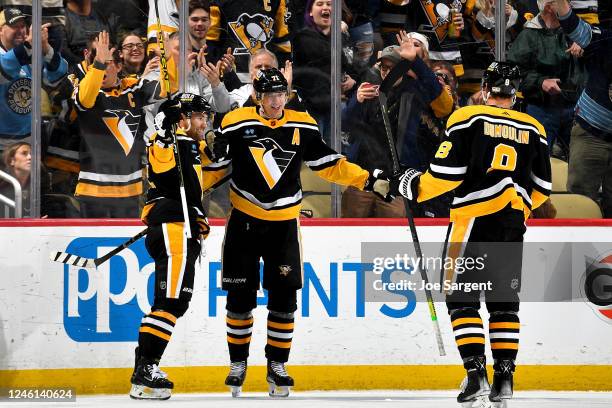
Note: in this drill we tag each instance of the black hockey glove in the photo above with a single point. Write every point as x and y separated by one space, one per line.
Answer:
406 184
169 114
378 183
220 149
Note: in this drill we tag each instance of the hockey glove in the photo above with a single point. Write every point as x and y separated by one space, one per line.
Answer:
220 149
378 183
406 184
168 115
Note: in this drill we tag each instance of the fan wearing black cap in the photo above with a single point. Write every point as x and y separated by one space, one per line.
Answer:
266 146
496 159
16 74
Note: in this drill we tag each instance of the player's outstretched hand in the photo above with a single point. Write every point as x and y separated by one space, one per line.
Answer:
406 184
168 115
378 183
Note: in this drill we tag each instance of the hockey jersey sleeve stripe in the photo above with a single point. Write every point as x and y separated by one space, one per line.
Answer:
323 162
301 125
214 32
448 169
537 199
546 185
112 178
344 173
431 186
217 166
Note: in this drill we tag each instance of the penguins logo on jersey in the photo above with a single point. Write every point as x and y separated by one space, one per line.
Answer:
271 160
438 14
253 32
123 125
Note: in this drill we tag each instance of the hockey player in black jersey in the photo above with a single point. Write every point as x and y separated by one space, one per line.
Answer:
174 254
496 160
266 146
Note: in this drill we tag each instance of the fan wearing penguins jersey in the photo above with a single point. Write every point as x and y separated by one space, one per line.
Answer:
174 254
266 146
496 160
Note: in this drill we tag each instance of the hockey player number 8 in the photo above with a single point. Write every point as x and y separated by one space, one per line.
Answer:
504 158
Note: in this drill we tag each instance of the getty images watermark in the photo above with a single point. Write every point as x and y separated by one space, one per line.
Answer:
385 267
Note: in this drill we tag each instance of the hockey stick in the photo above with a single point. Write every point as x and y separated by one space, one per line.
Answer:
177 158
396 73
75 260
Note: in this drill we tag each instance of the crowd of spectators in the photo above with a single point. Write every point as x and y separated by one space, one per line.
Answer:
102 84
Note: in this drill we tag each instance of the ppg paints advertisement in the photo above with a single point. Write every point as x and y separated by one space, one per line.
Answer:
56 316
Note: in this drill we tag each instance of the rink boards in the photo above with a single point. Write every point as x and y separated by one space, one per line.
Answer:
65 326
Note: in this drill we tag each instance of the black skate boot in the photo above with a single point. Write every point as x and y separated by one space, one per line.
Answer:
503 383
236 376
149 382
475 387
279 381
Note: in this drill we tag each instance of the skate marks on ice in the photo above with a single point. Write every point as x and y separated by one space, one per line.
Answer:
340 399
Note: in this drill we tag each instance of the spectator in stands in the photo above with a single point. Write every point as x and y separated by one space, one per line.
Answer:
416 104
590 167
52 12
82 20
15 77
199 23
109 112
133 57
361 33
17 161
125 16
447 78
312 63
553 74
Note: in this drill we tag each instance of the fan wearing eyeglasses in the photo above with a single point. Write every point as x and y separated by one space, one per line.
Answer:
132 54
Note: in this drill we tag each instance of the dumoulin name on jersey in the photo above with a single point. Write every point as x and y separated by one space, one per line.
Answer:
163 196
266 157
492 157
111 151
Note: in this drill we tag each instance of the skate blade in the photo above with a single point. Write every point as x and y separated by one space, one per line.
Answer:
278 391
236 391
500 404
478 402
142 392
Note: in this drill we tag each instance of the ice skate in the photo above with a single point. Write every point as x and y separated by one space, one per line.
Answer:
503 383
475 387
236 377
279 382
149 382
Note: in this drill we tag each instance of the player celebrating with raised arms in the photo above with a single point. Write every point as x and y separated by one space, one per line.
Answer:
174 252
266 146
496 160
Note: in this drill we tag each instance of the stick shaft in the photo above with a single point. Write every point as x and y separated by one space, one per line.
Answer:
177 157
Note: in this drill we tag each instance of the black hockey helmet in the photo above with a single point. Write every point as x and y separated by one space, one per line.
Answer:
502 78
193 103
269 80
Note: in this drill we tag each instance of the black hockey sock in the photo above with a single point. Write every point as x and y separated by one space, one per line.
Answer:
468 331
239 330
504 330
280 334
155 332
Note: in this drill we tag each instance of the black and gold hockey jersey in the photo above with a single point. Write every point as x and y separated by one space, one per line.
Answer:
492 157
163 196
246 27
111 153
266 156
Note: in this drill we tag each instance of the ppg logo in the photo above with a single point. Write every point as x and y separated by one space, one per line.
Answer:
107 303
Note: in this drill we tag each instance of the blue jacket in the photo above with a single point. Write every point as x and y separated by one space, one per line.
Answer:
595 104
16 88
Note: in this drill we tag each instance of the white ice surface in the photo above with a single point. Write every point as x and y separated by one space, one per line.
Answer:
352 399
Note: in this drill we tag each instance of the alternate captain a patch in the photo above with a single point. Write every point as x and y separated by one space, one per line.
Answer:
271 159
